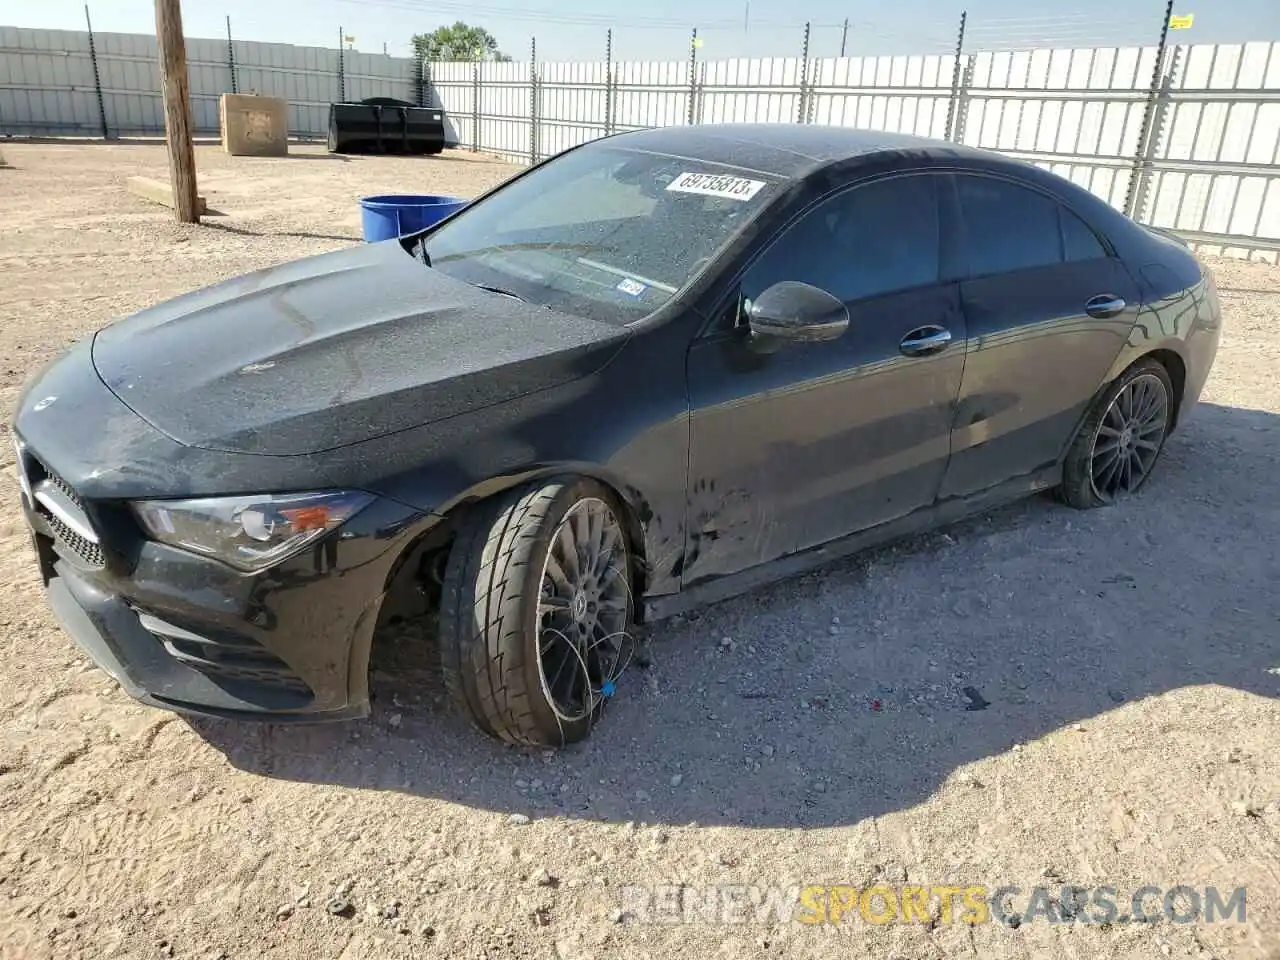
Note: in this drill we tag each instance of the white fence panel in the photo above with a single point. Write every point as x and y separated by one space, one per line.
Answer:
572 105
46 83
1201 157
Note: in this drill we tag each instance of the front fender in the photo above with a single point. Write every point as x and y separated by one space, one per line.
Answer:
650 547
601 427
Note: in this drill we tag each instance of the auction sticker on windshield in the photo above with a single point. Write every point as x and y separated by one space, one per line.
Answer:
716 185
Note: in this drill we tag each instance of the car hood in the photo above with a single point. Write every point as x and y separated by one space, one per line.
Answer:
335 349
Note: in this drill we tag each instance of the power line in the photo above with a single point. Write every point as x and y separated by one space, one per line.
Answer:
513 13
1028 32
451 7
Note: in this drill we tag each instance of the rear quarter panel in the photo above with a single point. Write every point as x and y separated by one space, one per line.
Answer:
1181 313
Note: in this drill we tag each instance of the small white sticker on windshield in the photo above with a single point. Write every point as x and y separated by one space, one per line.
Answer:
716 185
632 288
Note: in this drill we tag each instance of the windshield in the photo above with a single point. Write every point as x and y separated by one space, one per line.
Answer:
602 231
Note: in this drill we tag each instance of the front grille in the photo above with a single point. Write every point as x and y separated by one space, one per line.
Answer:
65 487
63 522
86 550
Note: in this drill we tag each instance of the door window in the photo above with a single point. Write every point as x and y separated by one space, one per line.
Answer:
1078 241
865 242
1011 227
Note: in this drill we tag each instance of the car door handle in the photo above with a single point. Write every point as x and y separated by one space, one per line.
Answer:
924 341
1104 306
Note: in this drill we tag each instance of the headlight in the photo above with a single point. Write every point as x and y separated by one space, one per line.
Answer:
249 532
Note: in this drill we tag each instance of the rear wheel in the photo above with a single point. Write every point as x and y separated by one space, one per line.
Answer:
535 612
1121 438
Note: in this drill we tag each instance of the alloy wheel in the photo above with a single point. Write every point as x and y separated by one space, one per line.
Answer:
583 610
1129 437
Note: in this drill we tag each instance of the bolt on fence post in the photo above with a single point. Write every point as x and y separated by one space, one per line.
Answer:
702 85
1148 115
533 101
475 106
1159 127
693 76
608 82
97 79
802 106
962 104
231 57
955 80
342 79
811 101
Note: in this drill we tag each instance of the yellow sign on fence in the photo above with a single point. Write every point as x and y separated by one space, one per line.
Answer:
1182 23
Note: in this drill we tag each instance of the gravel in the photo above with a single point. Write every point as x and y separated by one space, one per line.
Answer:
834 738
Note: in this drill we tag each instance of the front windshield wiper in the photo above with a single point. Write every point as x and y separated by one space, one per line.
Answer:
502 247
499 290
422 255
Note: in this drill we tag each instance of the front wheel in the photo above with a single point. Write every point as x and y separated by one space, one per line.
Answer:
1121 438
535 612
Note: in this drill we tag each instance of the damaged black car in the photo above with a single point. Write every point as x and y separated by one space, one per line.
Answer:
651 372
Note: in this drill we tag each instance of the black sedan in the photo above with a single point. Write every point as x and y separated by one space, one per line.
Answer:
648 373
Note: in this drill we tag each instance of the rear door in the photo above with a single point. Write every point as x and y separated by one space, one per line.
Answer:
1047 307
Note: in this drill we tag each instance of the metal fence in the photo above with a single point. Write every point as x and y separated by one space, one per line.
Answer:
85 83
1185 137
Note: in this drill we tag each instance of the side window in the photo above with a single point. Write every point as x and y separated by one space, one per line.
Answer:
1009 227
865 242
1078 241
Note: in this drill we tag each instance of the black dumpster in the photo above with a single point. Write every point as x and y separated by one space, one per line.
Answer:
385 125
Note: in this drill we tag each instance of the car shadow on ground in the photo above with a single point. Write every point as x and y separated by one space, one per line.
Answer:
244 232
340 158
950 648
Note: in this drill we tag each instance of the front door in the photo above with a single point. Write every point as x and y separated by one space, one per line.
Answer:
805 443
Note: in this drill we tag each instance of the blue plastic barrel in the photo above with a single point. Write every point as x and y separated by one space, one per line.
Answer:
383 218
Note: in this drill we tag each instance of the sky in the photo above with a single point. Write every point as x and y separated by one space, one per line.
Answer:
660 29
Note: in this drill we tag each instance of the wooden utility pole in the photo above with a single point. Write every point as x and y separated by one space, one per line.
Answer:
177 109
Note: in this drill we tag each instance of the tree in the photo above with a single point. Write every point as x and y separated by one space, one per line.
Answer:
458 42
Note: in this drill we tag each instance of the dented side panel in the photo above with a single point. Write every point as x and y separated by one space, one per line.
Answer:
797 447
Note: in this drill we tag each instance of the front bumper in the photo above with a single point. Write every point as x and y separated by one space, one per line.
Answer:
178 630
189 634
114 636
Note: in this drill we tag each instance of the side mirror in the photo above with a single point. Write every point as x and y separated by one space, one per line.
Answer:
791 310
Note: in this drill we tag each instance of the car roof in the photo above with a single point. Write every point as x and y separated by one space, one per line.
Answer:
786 150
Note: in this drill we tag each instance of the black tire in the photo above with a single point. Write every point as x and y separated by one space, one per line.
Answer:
1079 487
490 626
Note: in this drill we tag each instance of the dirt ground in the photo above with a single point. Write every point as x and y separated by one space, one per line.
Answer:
815 732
